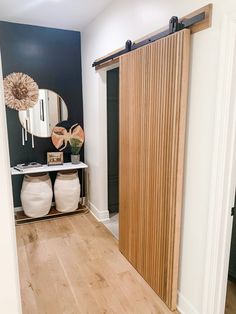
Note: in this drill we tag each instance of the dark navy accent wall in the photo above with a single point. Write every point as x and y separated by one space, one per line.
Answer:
52 57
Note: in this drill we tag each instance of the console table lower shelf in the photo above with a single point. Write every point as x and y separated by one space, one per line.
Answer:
21 218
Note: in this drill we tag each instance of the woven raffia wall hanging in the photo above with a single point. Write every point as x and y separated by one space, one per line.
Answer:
21 91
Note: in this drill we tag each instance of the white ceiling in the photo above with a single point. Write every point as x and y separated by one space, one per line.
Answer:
65 14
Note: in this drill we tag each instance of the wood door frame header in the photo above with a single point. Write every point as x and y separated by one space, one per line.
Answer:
204 24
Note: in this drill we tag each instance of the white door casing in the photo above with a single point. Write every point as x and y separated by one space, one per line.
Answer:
9 283
223 180
102 213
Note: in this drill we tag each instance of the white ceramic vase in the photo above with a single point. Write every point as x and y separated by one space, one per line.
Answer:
67 191
36 195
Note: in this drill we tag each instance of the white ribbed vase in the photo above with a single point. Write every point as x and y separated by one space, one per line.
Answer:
67 191
36 195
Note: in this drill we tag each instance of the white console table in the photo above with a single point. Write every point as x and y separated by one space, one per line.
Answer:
22 218
46 168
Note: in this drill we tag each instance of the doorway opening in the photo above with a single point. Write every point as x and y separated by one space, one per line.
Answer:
112 83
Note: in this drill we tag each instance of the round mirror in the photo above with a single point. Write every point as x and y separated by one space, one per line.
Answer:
48 112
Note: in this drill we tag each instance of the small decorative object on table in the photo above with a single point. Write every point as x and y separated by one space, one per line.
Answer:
75 146
27 165
54 158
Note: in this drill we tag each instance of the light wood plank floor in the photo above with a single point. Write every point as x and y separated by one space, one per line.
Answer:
230 307
72 265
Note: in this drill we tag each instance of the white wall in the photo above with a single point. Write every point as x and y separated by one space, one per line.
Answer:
9 284
133 19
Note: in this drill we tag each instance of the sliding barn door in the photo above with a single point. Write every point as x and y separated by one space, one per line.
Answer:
153 105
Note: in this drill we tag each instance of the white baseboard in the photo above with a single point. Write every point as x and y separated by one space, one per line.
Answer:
185 306
99 215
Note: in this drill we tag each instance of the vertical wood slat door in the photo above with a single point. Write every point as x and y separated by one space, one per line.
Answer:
153 106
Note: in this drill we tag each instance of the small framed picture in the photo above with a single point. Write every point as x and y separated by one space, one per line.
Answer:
54 158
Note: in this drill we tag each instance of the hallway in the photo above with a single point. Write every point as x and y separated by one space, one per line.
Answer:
73 265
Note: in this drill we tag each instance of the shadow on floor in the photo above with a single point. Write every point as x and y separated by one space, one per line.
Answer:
113 224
